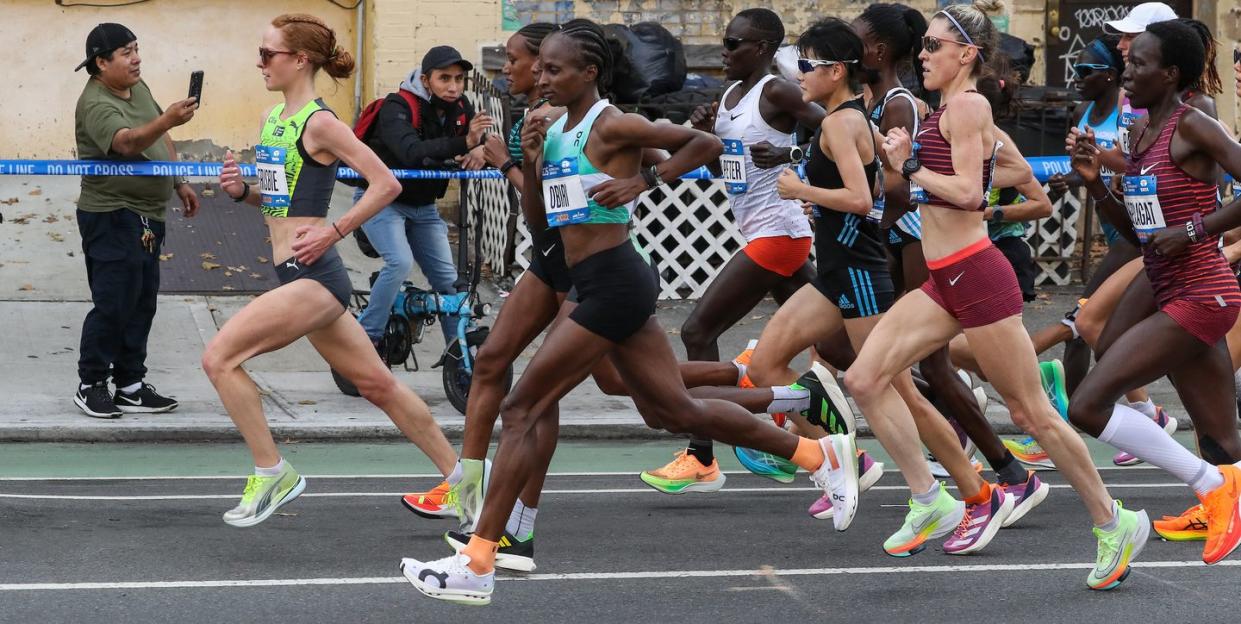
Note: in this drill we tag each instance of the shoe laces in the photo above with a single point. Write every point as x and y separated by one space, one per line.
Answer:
966 521
1109 542
253 483
450 497
684 461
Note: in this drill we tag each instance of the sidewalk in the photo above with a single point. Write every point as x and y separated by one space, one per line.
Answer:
43 299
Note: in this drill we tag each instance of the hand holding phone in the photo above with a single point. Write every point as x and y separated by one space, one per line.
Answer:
196 86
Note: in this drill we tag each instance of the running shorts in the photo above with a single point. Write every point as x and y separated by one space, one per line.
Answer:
976 285
328 270
1206 322
898 238
782 255
858 293
548 264
1017 251
616 292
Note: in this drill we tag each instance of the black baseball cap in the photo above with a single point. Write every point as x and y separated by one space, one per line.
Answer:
105 38
440 57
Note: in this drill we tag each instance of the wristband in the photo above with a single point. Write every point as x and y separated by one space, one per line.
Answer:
651 176
342 236
508 164
245 192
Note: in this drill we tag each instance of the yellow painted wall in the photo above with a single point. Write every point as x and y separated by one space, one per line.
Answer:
175 37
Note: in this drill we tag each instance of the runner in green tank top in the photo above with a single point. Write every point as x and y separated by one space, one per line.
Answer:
297 159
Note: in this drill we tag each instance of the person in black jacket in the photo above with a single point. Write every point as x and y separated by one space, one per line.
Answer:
444 131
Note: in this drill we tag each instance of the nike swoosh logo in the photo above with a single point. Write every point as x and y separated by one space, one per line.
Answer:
548 250
131 401
1148 168
953 281
918 528
734 117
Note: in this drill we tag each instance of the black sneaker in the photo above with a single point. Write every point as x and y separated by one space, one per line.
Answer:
145 401
512 554
96 402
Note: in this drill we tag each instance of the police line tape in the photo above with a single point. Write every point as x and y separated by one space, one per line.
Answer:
1044 167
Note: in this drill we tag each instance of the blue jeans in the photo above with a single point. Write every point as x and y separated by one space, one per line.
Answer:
403 235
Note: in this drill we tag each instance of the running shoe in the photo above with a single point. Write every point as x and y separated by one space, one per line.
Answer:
264 495
1190 526
924 522
869 471
144 400
1223 516
828 407
1163 420
1053 384
939 472
95 401
438 502
1028 452
839 479
685 474
1118 548
767 465
470 490
512 554
1026 496
980 523
743 362
450 579
967 445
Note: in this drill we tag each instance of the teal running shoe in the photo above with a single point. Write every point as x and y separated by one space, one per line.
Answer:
1053 384
766 465
924 522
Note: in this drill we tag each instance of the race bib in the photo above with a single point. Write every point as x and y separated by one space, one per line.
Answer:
1142 202
732 164
1236 190
273 185
1122 132
564 198
876 210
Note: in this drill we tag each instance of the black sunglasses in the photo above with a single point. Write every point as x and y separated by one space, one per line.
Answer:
266 55
1236 57
1085 70
732 43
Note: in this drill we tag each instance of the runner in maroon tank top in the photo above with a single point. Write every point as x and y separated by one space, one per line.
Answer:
973 288
1169 203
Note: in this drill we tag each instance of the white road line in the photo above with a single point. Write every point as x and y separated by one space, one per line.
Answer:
160 497
609 576
420 475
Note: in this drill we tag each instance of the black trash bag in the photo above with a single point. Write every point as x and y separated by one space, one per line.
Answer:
1020 55
678 106
364 244
654 62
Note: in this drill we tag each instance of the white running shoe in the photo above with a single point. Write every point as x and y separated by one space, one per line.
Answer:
839 481
450 579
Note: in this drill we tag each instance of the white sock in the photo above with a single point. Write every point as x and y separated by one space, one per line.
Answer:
1236 380
788 399
84 386
1111 525
928 497
1133 432
514 518
1146 407
132 388
454 477
525 530
274 471
741 370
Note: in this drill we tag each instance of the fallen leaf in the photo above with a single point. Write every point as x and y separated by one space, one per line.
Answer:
50 219
263 260
8 202
24 219
26 287
56 236
256 276
166 257
208 192
227 288
228 274
207 266
306 402
36 192
237 269
207 256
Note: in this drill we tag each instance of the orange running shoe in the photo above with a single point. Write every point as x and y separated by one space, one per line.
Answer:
685 474
1223 516
1190 526
435 503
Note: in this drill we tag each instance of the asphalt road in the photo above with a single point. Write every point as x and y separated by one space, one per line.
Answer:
90 546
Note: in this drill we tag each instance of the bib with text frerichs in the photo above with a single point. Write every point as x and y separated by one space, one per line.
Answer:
273 185
1142 202
564 197
732 166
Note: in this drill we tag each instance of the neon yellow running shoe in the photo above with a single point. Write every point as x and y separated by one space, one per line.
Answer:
264 495
1118 548
924 522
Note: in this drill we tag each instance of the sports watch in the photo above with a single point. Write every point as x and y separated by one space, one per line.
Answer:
910 167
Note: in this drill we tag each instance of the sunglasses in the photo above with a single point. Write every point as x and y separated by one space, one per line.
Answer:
807 66
1236 57
265 55
932 44
732 43
1085 70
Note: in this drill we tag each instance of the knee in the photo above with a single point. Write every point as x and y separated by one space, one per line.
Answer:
1088 327
215 362
764 369
679 418
1088 414
379 387
611 385
864 385
398 261
517 416
696 335
489 365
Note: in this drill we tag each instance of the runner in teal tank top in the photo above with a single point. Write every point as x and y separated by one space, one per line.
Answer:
590 201
297 157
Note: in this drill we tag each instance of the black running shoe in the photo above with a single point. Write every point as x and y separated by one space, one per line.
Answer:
96 402
145 401
828 407
512 554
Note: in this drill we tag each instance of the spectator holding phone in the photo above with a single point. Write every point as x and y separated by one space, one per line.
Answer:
121 219
428 124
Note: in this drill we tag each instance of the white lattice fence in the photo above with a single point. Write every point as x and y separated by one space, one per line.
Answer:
494 194
687 229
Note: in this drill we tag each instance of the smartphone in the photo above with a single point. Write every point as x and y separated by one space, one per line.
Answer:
196 86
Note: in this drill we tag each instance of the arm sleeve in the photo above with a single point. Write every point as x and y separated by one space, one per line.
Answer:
403 141
102 121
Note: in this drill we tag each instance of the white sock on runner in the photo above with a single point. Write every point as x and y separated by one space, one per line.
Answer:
514 518
1133 432
274 471
132 388
1146 407
525 530
741 370
788 399
454 477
